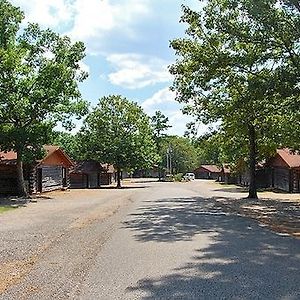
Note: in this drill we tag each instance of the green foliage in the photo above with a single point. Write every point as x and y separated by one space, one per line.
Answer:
209 148
178 177
159 124
39 76
70 143
239 65
182 151
118 132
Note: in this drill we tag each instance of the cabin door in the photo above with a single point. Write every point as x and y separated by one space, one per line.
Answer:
39 180
64 177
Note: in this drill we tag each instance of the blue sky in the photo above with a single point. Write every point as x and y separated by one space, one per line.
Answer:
127 45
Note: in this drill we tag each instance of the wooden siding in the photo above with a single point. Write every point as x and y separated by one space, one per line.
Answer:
8 179
105 178
78 181
281 179
93 180
202 173
83 181
296 180
52 178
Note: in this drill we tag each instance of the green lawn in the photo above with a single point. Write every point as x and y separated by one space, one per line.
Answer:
5 208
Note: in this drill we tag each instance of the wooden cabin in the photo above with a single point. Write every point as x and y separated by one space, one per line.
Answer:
228 176
108 175
208 172
48 174
86 174
284 170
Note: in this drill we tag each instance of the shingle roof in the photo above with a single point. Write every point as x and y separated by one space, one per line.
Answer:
87 166
292 159
211 168
10 157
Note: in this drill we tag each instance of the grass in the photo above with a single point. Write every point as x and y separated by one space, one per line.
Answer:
5 208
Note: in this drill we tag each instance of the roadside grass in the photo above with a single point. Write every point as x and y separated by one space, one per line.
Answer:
5 208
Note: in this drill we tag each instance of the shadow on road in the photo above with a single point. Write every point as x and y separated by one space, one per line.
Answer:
242 261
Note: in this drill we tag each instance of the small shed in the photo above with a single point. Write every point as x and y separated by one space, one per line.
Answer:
48 174
284 169
108 175
208 172
86 174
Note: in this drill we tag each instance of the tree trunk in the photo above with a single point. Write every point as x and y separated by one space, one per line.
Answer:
252 162
21 182
118 178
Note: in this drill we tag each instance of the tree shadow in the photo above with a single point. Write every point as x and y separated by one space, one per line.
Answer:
242 260
123 187
233 189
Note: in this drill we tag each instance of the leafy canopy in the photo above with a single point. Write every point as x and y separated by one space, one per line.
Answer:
239 65
39 76
118 132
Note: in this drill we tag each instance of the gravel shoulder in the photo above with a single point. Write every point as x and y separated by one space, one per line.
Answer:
278 211
45 244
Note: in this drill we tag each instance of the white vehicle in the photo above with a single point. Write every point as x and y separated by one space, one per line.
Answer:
189 176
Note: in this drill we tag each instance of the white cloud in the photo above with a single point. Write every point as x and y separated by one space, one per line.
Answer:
91 21
134 71
95 20
48 13
84 67
164 100
160 98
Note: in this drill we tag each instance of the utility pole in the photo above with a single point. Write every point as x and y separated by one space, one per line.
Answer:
169 159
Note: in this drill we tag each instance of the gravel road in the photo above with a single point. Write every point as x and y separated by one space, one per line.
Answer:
149 241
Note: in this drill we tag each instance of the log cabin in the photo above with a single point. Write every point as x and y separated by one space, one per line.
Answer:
208 172
284 170
48 174
86 174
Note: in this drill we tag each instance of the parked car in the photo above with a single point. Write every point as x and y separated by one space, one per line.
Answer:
189 176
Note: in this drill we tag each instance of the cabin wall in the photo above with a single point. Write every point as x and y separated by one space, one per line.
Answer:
281 179
8 179
50 178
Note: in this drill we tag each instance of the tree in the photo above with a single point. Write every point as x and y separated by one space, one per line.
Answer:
39 75
239 65
118 132
181 153
159 124
70 143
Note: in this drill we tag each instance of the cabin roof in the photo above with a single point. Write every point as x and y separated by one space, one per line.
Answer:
10 157
291 158
87 166
211 168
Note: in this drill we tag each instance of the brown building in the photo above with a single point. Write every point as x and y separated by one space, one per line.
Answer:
50 173
87 174
108 175
208 172
284 170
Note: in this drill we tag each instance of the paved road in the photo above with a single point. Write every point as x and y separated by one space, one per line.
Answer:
151 241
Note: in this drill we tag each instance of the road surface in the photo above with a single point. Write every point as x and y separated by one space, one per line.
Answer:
149 241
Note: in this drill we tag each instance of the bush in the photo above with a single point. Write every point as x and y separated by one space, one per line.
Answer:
178 177
169 178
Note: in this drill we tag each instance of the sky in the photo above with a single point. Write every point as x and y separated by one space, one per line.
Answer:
127 47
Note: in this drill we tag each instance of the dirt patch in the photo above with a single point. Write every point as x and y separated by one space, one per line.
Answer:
13 272
279 215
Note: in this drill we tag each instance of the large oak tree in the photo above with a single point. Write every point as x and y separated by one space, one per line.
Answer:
118 132
39 75
239 65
